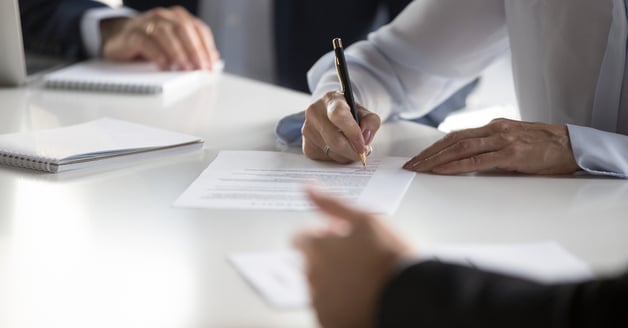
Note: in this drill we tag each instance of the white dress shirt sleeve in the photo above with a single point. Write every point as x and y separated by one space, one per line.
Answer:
599 152
90 26
430 50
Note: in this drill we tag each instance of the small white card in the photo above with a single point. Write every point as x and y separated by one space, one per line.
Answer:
278 276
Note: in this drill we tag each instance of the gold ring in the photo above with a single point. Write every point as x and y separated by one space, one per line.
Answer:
150 28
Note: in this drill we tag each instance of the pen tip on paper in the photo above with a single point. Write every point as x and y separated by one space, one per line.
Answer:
363 159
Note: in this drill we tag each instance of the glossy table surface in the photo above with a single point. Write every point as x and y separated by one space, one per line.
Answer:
104 247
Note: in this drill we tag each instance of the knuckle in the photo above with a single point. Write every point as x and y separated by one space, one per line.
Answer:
312 111
475 161
159 12
329 95
182 26
451 137
202 26
463 146
501 124
507 138
162 28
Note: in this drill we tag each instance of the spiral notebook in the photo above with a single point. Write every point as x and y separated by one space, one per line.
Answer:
133 78
88 144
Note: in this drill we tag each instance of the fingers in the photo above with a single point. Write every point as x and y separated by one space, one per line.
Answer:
182 40
328 121
317 151
461 149
447 141
207 39
481 162
339 115
170 42
118 49
525 147
191 40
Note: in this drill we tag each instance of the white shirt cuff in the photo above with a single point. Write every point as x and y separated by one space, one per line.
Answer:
599 152
90 26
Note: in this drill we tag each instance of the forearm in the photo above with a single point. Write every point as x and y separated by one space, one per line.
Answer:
412 65
434 294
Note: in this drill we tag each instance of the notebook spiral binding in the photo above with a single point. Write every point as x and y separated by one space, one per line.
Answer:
103 86
28 162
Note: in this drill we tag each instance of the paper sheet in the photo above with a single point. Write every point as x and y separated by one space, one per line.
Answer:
278 276
274 180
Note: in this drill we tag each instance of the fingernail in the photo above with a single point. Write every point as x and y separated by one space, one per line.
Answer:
368 136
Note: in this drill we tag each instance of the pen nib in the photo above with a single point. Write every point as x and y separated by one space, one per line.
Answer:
363 159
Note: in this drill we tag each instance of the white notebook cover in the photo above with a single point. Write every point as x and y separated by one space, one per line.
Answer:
86 144
134 77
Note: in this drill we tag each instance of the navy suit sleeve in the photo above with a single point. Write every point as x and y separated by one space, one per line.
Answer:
434 294
53 27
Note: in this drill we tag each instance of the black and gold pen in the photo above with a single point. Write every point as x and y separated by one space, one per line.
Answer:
345 85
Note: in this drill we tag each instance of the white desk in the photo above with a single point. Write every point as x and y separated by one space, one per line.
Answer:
105 248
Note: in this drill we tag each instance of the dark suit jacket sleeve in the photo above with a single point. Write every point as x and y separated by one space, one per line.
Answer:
434 294
53 27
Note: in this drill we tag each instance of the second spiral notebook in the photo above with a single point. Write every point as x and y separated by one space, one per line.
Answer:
129 78
98 142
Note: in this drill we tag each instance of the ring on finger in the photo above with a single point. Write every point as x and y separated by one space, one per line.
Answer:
326 150
150 28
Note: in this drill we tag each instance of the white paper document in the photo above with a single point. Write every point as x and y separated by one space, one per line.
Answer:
278 276
274 180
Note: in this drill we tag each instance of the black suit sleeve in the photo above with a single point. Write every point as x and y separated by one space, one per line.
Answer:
53 27
434 294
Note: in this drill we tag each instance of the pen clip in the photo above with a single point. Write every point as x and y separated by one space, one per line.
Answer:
339 74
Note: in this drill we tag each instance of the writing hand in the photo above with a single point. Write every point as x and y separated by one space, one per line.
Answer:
348 263
172 38
328 123
533 148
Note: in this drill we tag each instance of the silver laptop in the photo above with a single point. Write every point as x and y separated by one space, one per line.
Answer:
16 67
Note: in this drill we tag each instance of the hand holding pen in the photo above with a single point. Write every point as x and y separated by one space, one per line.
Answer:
336 128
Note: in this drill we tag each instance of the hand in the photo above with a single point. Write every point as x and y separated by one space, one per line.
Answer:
533 148
328 122
171 38
348 263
